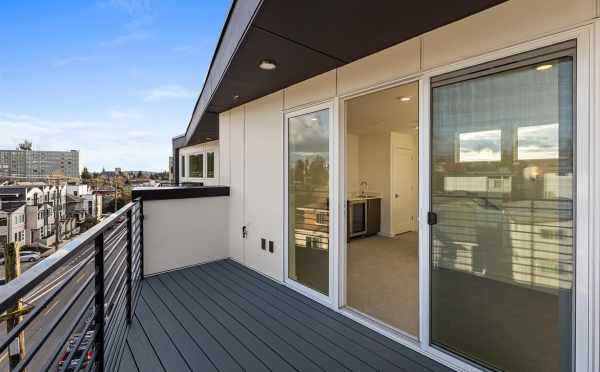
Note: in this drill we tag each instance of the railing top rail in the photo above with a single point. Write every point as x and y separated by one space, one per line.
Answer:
179 192
16 289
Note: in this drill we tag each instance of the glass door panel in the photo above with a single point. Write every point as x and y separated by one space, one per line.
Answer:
308 200
502 187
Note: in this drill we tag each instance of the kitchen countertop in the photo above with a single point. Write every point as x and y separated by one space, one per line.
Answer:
359 198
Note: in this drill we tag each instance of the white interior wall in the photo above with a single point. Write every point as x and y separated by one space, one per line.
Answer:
352 169
374 168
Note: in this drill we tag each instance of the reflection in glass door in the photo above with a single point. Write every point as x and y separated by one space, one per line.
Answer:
502 188
308 200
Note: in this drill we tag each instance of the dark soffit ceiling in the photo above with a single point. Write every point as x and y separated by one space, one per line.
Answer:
306 38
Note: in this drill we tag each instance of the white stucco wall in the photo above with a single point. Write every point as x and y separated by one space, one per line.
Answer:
184 232
263 207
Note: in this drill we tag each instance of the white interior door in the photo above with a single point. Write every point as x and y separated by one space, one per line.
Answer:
403 190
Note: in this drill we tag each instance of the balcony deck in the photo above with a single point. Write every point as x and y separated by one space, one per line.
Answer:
223 316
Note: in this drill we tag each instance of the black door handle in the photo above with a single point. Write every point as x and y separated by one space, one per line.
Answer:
432 218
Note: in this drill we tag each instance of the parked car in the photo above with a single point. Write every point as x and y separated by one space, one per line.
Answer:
77 354
29 256
25 256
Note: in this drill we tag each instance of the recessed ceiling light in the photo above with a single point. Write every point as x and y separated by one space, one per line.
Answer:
235 96
543 67
403 99
267 64
208 139
314 119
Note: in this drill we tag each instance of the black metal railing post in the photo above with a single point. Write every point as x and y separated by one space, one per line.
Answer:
99 300
141 238
129 293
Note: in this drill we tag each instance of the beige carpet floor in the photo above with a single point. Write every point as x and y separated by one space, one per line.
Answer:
383 277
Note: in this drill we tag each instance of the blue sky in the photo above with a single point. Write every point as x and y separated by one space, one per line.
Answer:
115 79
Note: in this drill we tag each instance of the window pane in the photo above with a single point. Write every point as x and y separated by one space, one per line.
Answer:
183 166
197 165
502 186
479 146
308 198
210 164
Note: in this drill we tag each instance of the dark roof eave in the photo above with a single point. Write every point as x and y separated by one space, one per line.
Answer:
239 19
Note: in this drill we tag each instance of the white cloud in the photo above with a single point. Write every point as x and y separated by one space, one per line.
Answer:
166 92
130 7
138 35
184 49
125 114
138 134
61 62
107 144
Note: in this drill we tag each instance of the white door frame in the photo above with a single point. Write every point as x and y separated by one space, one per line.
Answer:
331 299
587 279
398 335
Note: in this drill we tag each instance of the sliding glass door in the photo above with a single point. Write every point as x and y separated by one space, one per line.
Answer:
308 190
502 187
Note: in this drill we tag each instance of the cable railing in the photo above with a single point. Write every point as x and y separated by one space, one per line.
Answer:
70 312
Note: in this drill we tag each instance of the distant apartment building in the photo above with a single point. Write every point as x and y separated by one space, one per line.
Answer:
12 223
26 164
83 202
30 214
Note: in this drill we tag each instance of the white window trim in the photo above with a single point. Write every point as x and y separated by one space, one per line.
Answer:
213 148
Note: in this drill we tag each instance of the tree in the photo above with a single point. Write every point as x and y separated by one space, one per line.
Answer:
85 174
139 174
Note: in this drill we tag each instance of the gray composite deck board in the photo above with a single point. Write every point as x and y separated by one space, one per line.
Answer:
292 356
223 316
191 352
298 335
127 361
373 354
